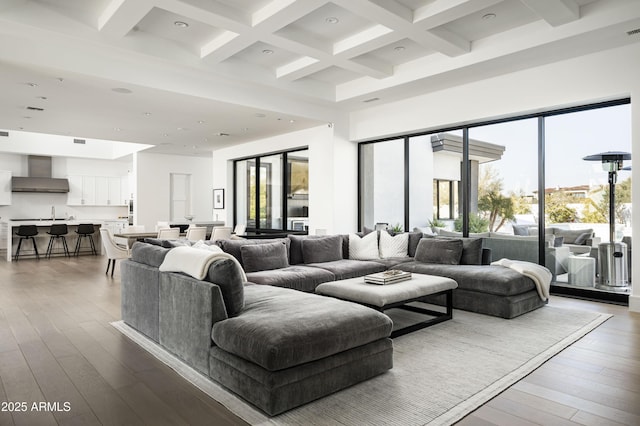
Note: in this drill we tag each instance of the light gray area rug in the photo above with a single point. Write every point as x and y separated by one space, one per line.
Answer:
440 374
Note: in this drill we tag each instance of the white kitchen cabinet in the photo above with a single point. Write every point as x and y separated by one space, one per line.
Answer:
95 191
5 187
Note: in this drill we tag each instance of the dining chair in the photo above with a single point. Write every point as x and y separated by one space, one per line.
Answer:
114 251
196 233
220 233
169 233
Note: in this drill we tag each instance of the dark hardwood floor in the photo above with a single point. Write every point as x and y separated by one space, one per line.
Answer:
57 347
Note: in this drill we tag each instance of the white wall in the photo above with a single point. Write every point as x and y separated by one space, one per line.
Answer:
152 190
605 75
332 174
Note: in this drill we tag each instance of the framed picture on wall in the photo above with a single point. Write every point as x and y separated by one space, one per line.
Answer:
218 198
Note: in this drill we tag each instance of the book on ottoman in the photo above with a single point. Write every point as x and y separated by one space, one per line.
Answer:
387 277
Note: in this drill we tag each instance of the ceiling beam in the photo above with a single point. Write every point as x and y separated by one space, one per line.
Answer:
400 19
555 12
272 17
120 16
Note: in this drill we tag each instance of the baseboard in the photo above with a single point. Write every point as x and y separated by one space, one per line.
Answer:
634 303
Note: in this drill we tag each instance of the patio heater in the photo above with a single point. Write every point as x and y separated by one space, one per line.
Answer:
612 256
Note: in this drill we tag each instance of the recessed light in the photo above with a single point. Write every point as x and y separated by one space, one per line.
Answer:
222 134
60 79
165 134
488 16
292 121
181 24
117 129
332 20
27 117
200 121
122 90
245 129
260 115
32 84
399 48
267 52
147 114
44 98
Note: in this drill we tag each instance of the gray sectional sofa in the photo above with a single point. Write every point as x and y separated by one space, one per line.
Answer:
274 342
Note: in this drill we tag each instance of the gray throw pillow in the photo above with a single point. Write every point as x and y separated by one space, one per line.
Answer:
264 257
414 240
226 275
471 251
324 249
441 251
295 247
557 241
233 246
582 238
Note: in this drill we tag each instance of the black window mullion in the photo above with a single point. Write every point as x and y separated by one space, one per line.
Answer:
285 191
257 183
406 184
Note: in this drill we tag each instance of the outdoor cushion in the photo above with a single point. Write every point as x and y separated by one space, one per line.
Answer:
264 257
571 235
281 328
439 250
324 249
582 238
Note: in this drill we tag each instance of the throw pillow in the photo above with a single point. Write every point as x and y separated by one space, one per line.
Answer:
557 241
393 246
441 251
264 257
365 248
324 249
471 251
520 230
582 238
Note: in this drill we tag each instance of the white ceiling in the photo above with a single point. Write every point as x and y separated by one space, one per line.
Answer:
248 69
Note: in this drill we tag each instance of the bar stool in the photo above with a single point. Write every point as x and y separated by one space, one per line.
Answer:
27 232
85 230
58 232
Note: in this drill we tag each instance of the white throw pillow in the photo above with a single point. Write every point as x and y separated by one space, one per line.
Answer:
396 246
365 248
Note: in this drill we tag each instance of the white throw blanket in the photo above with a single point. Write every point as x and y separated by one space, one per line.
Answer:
540 275
195 262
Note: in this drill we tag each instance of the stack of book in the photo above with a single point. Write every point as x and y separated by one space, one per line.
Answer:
387 277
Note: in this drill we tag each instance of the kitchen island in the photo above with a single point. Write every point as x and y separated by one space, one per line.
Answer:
42 239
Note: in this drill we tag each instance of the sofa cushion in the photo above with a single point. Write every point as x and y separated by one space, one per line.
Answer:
363 248
439 250
393 246
264 257
324 249
149 254
295 247
414 240
281 328
298 277
471 251
582 238
492 279
570 235
348 268
233 246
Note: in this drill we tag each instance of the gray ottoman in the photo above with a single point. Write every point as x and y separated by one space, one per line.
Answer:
397 295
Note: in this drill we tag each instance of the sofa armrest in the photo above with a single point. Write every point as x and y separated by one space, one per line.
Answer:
188 309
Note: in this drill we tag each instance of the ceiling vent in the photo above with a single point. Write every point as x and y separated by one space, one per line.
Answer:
80 141
366 101
4 133
31 108
633 32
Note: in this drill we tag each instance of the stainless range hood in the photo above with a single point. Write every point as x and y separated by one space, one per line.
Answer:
39 178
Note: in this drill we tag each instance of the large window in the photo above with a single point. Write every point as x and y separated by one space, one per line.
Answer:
272 191
494 178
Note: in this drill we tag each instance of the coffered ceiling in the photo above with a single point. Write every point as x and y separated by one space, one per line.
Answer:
188 76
